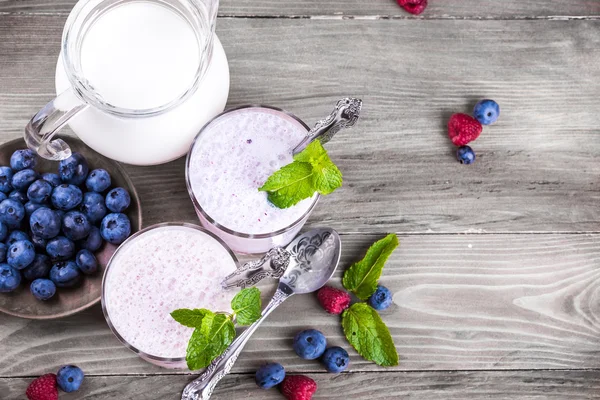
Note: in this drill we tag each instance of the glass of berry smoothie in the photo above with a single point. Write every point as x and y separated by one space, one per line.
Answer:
156 271
232 156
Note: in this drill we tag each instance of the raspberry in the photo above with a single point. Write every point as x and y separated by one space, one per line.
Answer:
463 128
298 387
333 300
43 388
415 7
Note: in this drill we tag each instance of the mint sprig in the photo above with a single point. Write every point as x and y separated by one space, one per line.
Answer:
311 171
362 325
361 278
368 334
214 332
247 306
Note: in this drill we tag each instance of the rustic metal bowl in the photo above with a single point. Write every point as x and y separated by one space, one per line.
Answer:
68 301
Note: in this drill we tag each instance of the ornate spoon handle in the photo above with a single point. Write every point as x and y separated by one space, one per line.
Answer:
273 264
344 115
202 388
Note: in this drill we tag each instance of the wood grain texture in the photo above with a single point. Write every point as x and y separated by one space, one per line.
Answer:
537 169
380 8
461 302
510 385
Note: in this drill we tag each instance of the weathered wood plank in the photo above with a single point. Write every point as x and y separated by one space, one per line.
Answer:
509 385
461 302
383 8
537 169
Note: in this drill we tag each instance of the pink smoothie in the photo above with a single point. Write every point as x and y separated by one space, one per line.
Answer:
161 270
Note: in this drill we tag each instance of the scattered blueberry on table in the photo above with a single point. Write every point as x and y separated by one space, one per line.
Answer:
269 375
69 378
381 299
335 359
486 111
309 344
51 225
465 155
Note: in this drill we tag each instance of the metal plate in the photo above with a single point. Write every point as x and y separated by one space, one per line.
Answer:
68 301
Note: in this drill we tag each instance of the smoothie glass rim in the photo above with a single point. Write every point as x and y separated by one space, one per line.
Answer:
199 208
131 238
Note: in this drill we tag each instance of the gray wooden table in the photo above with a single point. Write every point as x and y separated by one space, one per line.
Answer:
497 280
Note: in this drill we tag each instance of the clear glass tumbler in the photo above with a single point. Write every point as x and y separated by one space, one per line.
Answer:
135 135
237 239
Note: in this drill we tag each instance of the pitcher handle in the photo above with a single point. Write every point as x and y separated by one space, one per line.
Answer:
48 121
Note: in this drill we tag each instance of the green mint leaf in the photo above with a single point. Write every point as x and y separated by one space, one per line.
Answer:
312 171
369 335
247 306
290 184
190 318
361 278
210 340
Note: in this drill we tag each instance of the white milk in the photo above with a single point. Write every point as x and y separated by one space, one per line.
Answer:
233 157
162 270
142 55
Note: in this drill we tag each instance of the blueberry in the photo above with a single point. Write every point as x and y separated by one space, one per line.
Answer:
117 200
98 180
6 175
93 242
30 207
3 251
20 254
60 248
75 225
93 207
10 278
45 223
65 274
335 359
86 261
309 344
465 155
269 375
39 191
22 159
69 378
73 170
39 242
15 236
115 228
39 268
42 289
22 179
3 231
381 299
18 196
11 213
66 197
52 179
486 111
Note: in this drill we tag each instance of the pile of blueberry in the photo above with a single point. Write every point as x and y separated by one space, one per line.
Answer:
52 224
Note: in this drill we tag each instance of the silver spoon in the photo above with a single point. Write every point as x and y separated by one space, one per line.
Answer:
344 115
275 262
315 263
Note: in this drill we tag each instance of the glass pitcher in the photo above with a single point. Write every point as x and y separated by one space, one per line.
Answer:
135 80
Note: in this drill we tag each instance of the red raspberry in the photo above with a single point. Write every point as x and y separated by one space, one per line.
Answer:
333 300
298 387
415 7
43 388
463 128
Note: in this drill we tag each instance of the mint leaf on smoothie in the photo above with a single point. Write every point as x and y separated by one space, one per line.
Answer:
311 171
190 318
361 278
247 306
210 340
369 335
